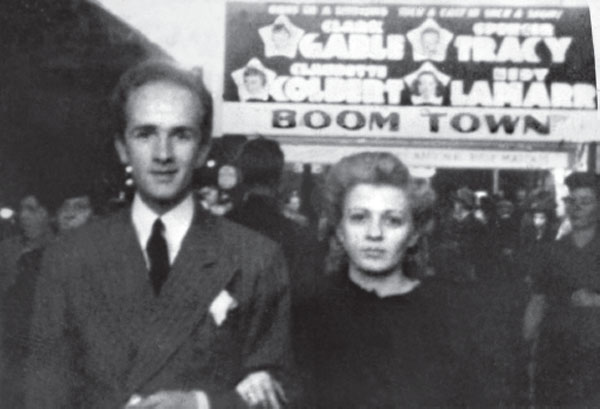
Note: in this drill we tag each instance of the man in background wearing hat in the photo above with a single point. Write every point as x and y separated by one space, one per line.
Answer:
459 239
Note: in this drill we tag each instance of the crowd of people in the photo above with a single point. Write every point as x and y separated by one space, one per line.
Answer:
189 299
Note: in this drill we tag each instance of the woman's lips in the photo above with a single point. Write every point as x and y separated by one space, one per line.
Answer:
373 252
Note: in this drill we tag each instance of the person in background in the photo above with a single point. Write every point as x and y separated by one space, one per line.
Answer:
563 314
505 239
457 254
160 305
74 211
208 197
261 164
381 341
34 221
292 207
20 259
537 234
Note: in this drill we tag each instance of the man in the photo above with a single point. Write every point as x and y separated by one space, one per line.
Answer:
162 305
261 164
20 259
459 240
430 42
563 315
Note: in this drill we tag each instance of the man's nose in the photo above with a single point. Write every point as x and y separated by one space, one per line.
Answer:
163 148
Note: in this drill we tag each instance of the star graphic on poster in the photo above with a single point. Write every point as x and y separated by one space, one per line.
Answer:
427 85
253 81
429 41
281 38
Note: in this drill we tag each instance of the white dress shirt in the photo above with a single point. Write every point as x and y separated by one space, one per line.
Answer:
177 222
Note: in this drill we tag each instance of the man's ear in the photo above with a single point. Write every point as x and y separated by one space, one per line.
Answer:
202 155
121 150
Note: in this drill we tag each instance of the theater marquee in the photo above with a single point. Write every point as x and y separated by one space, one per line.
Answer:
410 72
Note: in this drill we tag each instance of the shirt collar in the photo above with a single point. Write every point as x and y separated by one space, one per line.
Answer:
177 222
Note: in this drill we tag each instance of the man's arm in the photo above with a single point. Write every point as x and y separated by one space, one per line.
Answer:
266 351
50 379
267 340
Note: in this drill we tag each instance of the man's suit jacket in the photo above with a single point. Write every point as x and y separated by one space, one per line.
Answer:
99 334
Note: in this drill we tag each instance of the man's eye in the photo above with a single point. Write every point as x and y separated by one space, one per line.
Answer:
143 133
184 134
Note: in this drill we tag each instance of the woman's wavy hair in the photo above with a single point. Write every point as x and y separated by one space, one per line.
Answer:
373 168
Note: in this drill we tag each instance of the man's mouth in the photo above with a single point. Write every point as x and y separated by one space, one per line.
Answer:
164 175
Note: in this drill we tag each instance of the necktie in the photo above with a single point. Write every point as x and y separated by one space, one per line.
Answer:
158 255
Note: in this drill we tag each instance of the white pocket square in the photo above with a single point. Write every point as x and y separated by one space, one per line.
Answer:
220 307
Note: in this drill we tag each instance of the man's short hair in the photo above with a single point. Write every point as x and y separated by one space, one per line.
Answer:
161 71
261 162
579 180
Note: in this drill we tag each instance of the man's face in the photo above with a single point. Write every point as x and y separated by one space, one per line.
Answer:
582 208
430 41
227 177
281 38
162 142
34 219
74 212
539 219
459 210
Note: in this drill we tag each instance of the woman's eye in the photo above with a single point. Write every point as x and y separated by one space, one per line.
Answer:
394 220
357 217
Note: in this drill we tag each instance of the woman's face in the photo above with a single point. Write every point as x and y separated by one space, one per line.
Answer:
74 212
34 219
376 228
427 85
582 208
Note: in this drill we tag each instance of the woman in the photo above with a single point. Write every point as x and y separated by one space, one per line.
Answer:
381 344
563 315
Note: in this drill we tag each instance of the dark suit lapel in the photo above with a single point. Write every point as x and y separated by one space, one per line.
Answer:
122 277
196 278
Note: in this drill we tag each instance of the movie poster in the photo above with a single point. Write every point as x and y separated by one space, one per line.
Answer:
406 71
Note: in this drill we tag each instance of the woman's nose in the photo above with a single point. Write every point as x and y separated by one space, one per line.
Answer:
374 230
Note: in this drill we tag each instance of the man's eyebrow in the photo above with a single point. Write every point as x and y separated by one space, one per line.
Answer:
144 128
183 128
